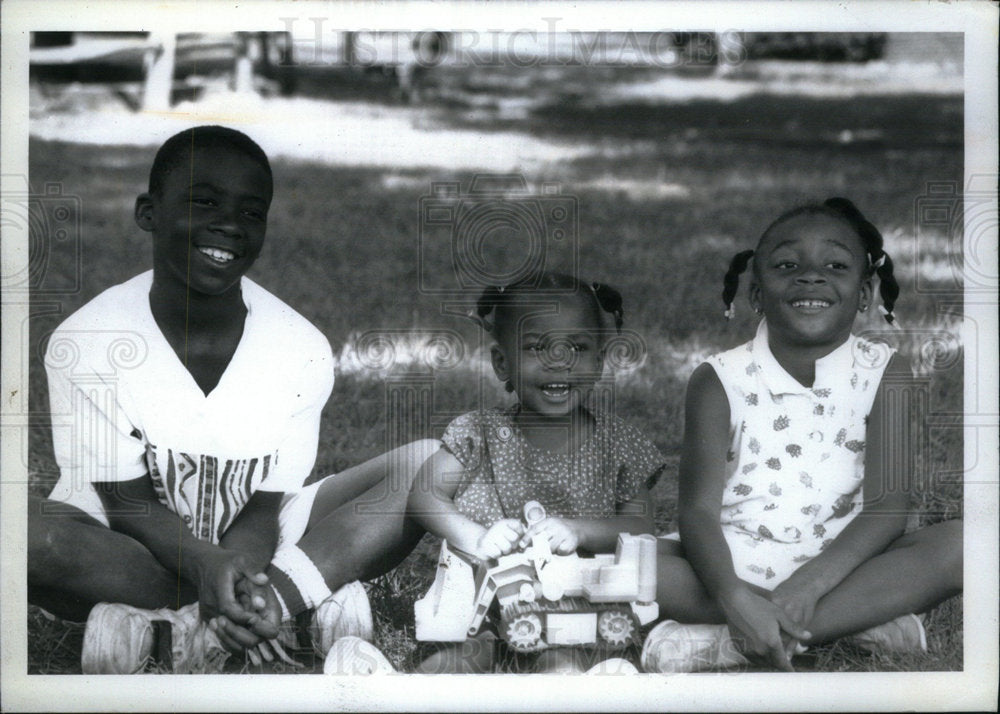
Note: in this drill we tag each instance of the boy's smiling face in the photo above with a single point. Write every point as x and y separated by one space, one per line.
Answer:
209 219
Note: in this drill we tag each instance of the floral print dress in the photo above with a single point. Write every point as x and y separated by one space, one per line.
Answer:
796 458
502 471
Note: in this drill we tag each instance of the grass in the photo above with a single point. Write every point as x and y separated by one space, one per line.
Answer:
342 250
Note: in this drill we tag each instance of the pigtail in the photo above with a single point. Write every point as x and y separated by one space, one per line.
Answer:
731 281
485 305
888 288
610 300
880 261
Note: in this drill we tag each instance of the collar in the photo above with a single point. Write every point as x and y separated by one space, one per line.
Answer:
829 369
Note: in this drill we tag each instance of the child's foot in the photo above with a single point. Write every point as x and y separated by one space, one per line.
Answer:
121 639
346 613
904 634
353 655
615 665
672 647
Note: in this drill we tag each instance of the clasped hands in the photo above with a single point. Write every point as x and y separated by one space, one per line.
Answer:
773 624
239 605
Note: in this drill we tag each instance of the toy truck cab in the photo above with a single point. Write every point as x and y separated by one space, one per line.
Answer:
544 599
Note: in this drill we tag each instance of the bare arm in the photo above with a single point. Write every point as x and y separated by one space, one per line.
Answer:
432 505
597 535
255 529
702 481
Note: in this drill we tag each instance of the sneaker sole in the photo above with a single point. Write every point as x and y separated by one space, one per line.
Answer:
118 640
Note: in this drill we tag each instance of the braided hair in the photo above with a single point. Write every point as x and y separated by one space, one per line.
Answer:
841 209
498 301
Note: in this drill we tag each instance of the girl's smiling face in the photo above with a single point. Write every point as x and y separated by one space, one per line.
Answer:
552 359
811 276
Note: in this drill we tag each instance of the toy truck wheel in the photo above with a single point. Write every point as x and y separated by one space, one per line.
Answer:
524 632
615 627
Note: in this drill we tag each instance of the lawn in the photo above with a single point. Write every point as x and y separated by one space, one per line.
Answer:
342 249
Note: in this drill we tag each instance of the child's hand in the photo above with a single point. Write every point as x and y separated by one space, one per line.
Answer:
560 532
499 539
797 602
219 600
760 623
261 600
237 602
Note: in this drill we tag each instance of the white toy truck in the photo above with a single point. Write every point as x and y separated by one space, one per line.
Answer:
544 599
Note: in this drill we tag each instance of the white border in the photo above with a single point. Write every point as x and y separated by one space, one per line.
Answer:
975 688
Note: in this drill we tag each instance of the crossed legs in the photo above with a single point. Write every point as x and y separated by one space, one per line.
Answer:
917 571
75 562
357 529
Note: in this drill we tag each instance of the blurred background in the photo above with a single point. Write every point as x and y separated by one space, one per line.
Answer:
644 160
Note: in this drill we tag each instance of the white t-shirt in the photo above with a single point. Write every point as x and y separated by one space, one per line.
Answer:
123 405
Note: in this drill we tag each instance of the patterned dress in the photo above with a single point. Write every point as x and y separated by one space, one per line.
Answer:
503 471
796 459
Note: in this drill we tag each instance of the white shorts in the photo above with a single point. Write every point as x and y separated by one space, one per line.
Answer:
292 518
295 511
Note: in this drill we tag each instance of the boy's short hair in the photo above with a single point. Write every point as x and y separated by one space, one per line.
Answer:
176 149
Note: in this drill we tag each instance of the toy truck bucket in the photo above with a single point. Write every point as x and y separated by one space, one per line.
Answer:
445 612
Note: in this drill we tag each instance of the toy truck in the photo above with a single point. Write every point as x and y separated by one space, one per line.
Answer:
543 599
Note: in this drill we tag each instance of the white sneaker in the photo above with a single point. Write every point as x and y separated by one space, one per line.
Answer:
346 613
672 647
615 665
904 634
353 655
119 639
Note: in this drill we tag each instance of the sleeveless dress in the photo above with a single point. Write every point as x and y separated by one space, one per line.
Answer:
796 457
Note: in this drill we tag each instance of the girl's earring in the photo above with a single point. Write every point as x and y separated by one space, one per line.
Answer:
863 308
757 310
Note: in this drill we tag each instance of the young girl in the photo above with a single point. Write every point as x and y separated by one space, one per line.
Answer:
795 471
590 470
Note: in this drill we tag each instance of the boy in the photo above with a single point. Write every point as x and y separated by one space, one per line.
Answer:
195 398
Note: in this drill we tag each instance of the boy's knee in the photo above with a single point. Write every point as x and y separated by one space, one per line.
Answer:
52 546
423 449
